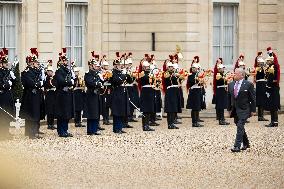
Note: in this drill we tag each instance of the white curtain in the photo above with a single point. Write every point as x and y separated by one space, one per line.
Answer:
216 33
228 34
8 22
223 33
75 19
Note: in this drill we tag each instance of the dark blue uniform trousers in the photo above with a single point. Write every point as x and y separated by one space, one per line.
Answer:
92 126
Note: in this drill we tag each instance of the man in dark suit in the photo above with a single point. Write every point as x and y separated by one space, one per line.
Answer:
241 105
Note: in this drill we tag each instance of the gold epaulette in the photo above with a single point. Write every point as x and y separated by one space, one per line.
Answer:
167 74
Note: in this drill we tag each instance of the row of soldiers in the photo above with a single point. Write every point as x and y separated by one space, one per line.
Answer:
65 94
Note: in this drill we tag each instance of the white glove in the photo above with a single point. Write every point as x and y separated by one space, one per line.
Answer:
73 74
42 75
101 77
12 75
124 71
72 81
10 83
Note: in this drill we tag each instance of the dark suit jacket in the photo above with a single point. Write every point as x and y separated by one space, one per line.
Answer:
244 103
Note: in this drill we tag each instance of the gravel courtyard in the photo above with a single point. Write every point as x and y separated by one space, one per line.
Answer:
184 158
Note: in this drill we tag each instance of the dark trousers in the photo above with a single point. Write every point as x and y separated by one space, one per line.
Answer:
125 120
50 119
77 117
117 123
105 113
31 128
274 116
153 117
241 136
220 114
62 126
260 111
131 113
194 116
146 119
171 116
92 125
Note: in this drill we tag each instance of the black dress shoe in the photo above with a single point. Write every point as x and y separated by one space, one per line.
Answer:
35 137
41 133
147 128
235 149
132 120
96 133
127 126
107 122
101 128
154 124
51 127
200 120
223 122
247 121
174 126
177 122
65 135
197 125
262 119
245 147
272 125
69 135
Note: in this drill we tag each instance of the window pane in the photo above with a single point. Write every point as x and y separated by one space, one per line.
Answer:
78 56
228 15
1 36
216 35
216 53
228 55
68 15
77 15
12 54
68 35
78 36
217 16
228 38
10 15
10 36
68 53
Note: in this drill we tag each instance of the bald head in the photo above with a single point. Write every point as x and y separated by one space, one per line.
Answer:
239 74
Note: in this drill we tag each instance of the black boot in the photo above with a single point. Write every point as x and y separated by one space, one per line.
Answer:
272 119
153 120
222 118
198 117
145 123
260 114
275 122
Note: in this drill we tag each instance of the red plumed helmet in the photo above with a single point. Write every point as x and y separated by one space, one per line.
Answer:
5 51
64 50
269 49
146 55
93 53
196 58
171 57
117 54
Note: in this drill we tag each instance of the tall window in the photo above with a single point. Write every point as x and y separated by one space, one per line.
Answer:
75 32
225 32
8 28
